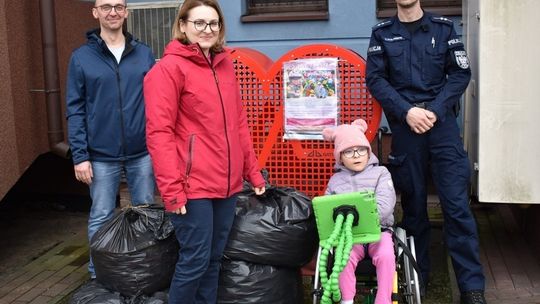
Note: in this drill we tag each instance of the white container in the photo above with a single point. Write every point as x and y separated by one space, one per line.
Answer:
502 102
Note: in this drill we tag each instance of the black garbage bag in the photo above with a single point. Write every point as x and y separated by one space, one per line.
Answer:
95 293
277 228
136 251
244 282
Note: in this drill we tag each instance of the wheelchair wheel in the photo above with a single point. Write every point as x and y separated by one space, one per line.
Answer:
395 288
408 276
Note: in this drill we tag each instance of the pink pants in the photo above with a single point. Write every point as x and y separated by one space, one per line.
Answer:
382 256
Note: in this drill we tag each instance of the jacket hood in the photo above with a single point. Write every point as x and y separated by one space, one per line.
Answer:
94 37
372 162
192 52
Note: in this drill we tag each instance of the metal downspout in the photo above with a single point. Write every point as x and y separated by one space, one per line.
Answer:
52 86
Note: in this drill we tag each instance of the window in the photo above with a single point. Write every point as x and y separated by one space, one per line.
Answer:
285 10
387 8
152 23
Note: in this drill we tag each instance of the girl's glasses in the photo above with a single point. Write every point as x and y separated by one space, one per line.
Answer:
349 153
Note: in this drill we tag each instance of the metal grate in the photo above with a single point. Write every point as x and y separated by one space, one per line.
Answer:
153 25
305 165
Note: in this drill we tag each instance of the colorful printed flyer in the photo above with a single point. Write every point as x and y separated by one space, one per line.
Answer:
310 101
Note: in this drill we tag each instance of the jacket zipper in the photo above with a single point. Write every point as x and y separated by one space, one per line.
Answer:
120 103
191 144
121 106
410 58
127 50
224 122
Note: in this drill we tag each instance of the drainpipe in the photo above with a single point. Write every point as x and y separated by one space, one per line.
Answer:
52 86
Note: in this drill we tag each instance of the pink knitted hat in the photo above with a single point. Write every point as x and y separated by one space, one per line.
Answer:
347 136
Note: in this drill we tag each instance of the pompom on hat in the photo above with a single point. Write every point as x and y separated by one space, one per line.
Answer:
346 136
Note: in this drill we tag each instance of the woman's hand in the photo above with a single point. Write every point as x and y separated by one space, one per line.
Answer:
182 210
259 190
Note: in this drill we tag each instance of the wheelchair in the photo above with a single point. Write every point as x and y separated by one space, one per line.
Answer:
365 229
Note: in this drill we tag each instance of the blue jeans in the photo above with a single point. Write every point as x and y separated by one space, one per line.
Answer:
104 189
202 234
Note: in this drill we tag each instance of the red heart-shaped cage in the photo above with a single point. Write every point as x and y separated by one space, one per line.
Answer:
305 165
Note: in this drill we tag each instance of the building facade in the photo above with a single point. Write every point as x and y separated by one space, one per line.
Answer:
272 27
23 112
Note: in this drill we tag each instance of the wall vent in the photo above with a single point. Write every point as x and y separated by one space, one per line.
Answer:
151 23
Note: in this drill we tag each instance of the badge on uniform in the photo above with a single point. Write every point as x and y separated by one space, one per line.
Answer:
461 59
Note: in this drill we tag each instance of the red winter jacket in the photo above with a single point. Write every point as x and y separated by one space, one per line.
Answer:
196 127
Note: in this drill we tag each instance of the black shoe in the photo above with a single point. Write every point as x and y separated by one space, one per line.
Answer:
423 291
473 297
424 285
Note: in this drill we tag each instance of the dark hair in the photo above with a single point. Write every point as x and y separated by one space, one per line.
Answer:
182 16
125 2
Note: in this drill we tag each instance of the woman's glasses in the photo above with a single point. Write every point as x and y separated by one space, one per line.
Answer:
200 25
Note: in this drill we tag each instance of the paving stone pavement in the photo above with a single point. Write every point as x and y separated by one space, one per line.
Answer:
50 278
512 270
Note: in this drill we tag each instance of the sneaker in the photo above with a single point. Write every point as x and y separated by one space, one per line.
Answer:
473 297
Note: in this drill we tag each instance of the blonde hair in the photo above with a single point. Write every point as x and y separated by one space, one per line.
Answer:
182 16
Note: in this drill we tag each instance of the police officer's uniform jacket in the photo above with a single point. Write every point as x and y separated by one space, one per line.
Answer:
428 68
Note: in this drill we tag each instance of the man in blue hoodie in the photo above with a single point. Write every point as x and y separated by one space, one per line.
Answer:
105 113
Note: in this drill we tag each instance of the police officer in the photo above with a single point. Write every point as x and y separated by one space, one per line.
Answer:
417 69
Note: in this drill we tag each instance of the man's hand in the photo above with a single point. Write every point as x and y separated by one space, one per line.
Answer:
432 117
420 120
83 172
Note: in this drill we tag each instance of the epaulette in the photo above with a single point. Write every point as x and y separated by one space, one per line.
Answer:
382 24
443 20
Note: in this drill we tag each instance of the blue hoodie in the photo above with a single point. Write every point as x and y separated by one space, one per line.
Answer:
104 100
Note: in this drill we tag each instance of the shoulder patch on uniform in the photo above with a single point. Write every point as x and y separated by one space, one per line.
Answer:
374 49
443 20
454 42
461 59
382 24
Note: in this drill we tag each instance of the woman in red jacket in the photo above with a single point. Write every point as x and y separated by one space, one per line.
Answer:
200 145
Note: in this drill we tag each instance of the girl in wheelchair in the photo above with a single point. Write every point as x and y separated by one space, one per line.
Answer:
358 170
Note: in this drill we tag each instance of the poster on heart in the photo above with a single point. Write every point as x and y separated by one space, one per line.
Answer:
310 97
